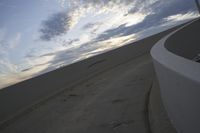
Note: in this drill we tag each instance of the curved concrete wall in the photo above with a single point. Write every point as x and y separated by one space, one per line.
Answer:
17 98
179 76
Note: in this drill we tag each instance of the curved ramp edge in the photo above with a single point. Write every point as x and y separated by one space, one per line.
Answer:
179 78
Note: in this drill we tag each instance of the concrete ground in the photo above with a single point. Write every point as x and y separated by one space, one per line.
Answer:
124 99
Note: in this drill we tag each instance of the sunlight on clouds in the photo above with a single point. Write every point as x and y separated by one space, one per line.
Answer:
12 78
41 60
106 45
96 9
111 17
85 38
12 73
180 17
7 80
75 16
117 11
132 19
7 67
117 42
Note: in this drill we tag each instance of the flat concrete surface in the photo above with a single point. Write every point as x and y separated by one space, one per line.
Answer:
158 118
116 101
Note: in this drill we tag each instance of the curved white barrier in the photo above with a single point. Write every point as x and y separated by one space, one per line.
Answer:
179 76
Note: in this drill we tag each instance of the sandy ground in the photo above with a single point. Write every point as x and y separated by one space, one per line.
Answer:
116 101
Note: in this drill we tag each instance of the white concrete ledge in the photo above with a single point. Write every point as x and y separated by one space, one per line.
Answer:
179 76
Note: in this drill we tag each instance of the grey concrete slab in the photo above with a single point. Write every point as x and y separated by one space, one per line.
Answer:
159 120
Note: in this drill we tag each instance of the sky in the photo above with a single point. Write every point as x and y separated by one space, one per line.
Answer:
38 36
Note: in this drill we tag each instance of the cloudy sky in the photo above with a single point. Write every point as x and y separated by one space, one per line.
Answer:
37 36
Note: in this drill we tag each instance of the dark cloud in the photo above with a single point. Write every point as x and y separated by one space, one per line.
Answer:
112 33
57 24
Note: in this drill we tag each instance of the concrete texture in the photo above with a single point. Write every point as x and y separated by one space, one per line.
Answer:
115 101
179 76
158 117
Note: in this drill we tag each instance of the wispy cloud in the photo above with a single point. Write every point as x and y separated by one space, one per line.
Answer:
181 16
15 41
6 66
13 77
12 42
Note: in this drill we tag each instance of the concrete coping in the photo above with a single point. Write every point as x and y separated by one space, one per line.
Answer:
178 63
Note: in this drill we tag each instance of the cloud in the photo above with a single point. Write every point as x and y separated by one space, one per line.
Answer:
7 67
15 41
155 17
56 25
12 76
181 17
59 23
62 3
7 44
